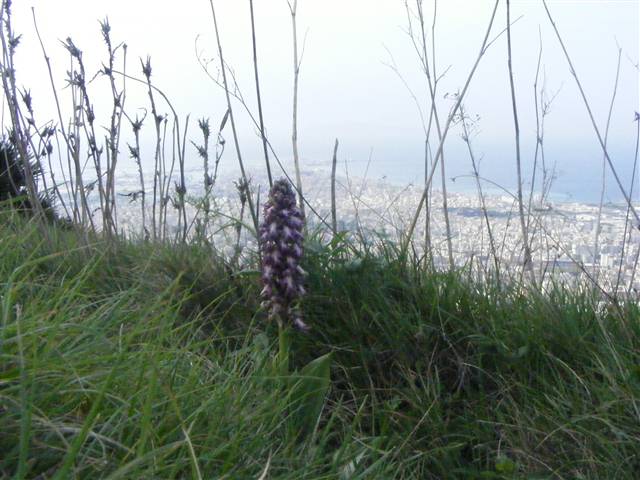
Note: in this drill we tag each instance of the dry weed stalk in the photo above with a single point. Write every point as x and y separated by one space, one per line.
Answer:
591 117
20 137
297 60
528 262
134 153
236 93
596 240
433 113
259 98
476 173
113 139
334 161
223 68
627 231
459 97
76 189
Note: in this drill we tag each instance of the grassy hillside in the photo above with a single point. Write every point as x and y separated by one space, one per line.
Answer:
128 360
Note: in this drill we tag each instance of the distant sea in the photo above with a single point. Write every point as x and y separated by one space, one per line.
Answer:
578 173
575 180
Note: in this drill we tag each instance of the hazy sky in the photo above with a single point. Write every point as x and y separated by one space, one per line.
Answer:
347 89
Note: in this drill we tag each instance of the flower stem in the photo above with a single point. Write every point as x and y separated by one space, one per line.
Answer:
283 353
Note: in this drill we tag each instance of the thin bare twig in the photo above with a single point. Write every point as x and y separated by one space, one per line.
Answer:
445 131
528 264
591 117
596 243
296 76
334 219
626 239
255 70
254 214
237 94
467 139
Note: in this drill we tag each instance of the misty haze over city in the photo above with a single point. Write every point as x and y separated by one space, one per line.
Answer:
348 91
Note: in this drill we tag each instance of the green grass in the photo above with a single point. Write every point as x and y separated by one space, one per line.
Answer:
143 361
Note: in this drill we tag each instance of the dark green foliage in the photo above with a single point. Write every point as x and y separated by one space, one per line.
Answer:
12 178
13 181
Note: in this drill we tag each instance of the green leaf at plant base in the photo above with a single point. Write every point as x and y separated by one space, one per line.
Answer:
308 392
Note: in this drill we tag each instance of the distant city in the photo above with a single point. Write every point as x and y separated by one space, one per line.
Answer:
562 234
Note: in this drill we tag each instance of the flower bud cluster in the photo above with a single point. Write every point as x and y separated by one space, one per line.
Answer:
281 242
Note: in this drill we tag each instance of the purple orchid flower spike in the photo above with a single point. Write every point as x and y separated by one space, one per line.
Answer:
281 245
